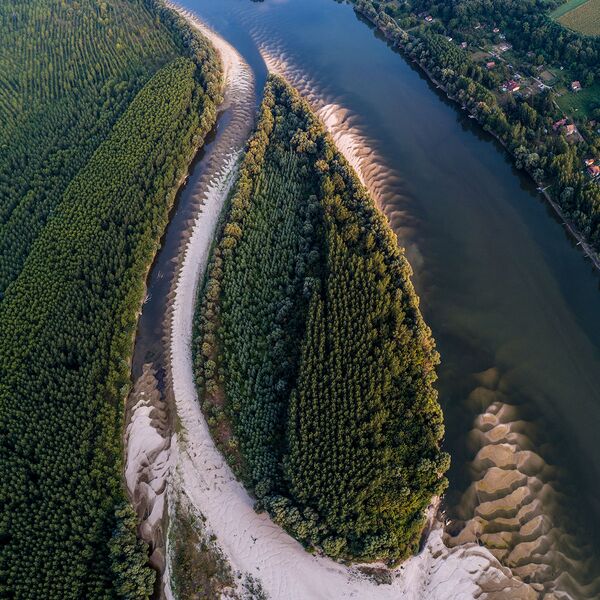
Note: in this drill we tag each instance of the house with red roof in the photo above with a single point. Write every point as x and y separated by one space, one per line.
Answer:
559 124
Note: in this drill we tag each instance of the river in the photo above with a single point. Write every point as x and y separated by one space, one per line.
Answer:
512 302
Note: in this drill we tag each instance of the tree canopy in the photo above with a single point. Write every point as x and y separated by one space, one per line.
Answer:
69 310
315 367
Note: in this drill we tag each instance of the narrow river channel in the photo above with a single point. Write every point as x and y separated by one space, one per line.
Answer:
512 302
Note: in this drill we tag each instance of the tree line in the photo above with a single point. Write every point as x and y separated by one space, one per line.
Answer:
524 125
68 315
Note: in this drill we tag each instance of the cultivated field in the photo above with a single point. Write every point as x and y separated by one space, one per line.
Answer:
563 9
584 18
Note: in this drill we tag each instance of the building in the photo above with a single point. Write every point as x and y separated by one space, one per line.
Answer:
512 86
490 65
429 18
559 124
594 171
464 45
576 86
570 129
589 162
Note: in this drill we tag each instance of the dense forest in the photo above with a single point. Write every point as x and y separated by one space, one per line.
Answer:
526 125
104 105
59 99
314 366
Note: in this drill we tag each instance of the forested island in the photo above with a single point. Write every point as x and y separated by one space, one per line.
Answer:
314 366
103 106
526 78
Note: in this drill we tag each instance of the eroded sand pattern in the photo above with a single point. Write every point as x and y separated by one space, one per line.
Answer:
385 186
341 124
147 461
513 507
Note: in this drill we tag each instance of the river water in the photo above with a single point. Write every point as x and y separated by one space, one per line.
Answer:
512 302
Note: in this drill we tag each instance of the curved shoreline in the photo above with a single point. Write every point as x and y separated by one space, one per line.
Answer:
215 185
250 541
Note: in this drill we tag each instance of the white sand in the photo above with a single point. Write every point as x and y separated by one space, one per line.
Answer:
251 542
147 460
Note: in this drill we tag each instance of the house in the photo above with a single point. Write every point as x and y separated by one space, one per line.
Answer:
559 124
429 19
504 47
589 162
490 65
463 45
496 30
512 86
570 129
576 86
594 171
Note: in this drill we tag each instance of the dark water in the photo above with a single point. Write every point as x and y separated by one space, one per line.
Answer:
501 284
149 341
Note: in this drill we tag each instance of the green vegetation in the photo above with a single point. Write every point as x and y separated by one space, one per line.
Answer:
59 98
563 9
585 18
69 310
128 556
199 570
314 365
530 123
584 103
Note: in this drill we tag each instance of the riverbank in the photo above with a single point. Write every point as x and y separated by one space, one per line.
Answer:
147 423
571 228
588 251
188 464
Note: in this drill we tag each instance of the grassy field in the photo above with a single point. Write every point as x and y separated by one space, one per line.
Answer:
563 9
582 103
584 18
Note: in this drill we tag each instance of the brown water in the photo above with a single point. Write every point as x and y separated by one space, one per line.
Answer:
512 302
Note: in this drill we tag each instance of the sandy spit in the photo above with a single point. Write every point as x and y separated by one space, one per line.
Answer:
251 542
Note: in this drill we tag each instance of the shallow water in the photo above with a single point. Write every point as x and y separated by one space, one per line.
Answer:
502 286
